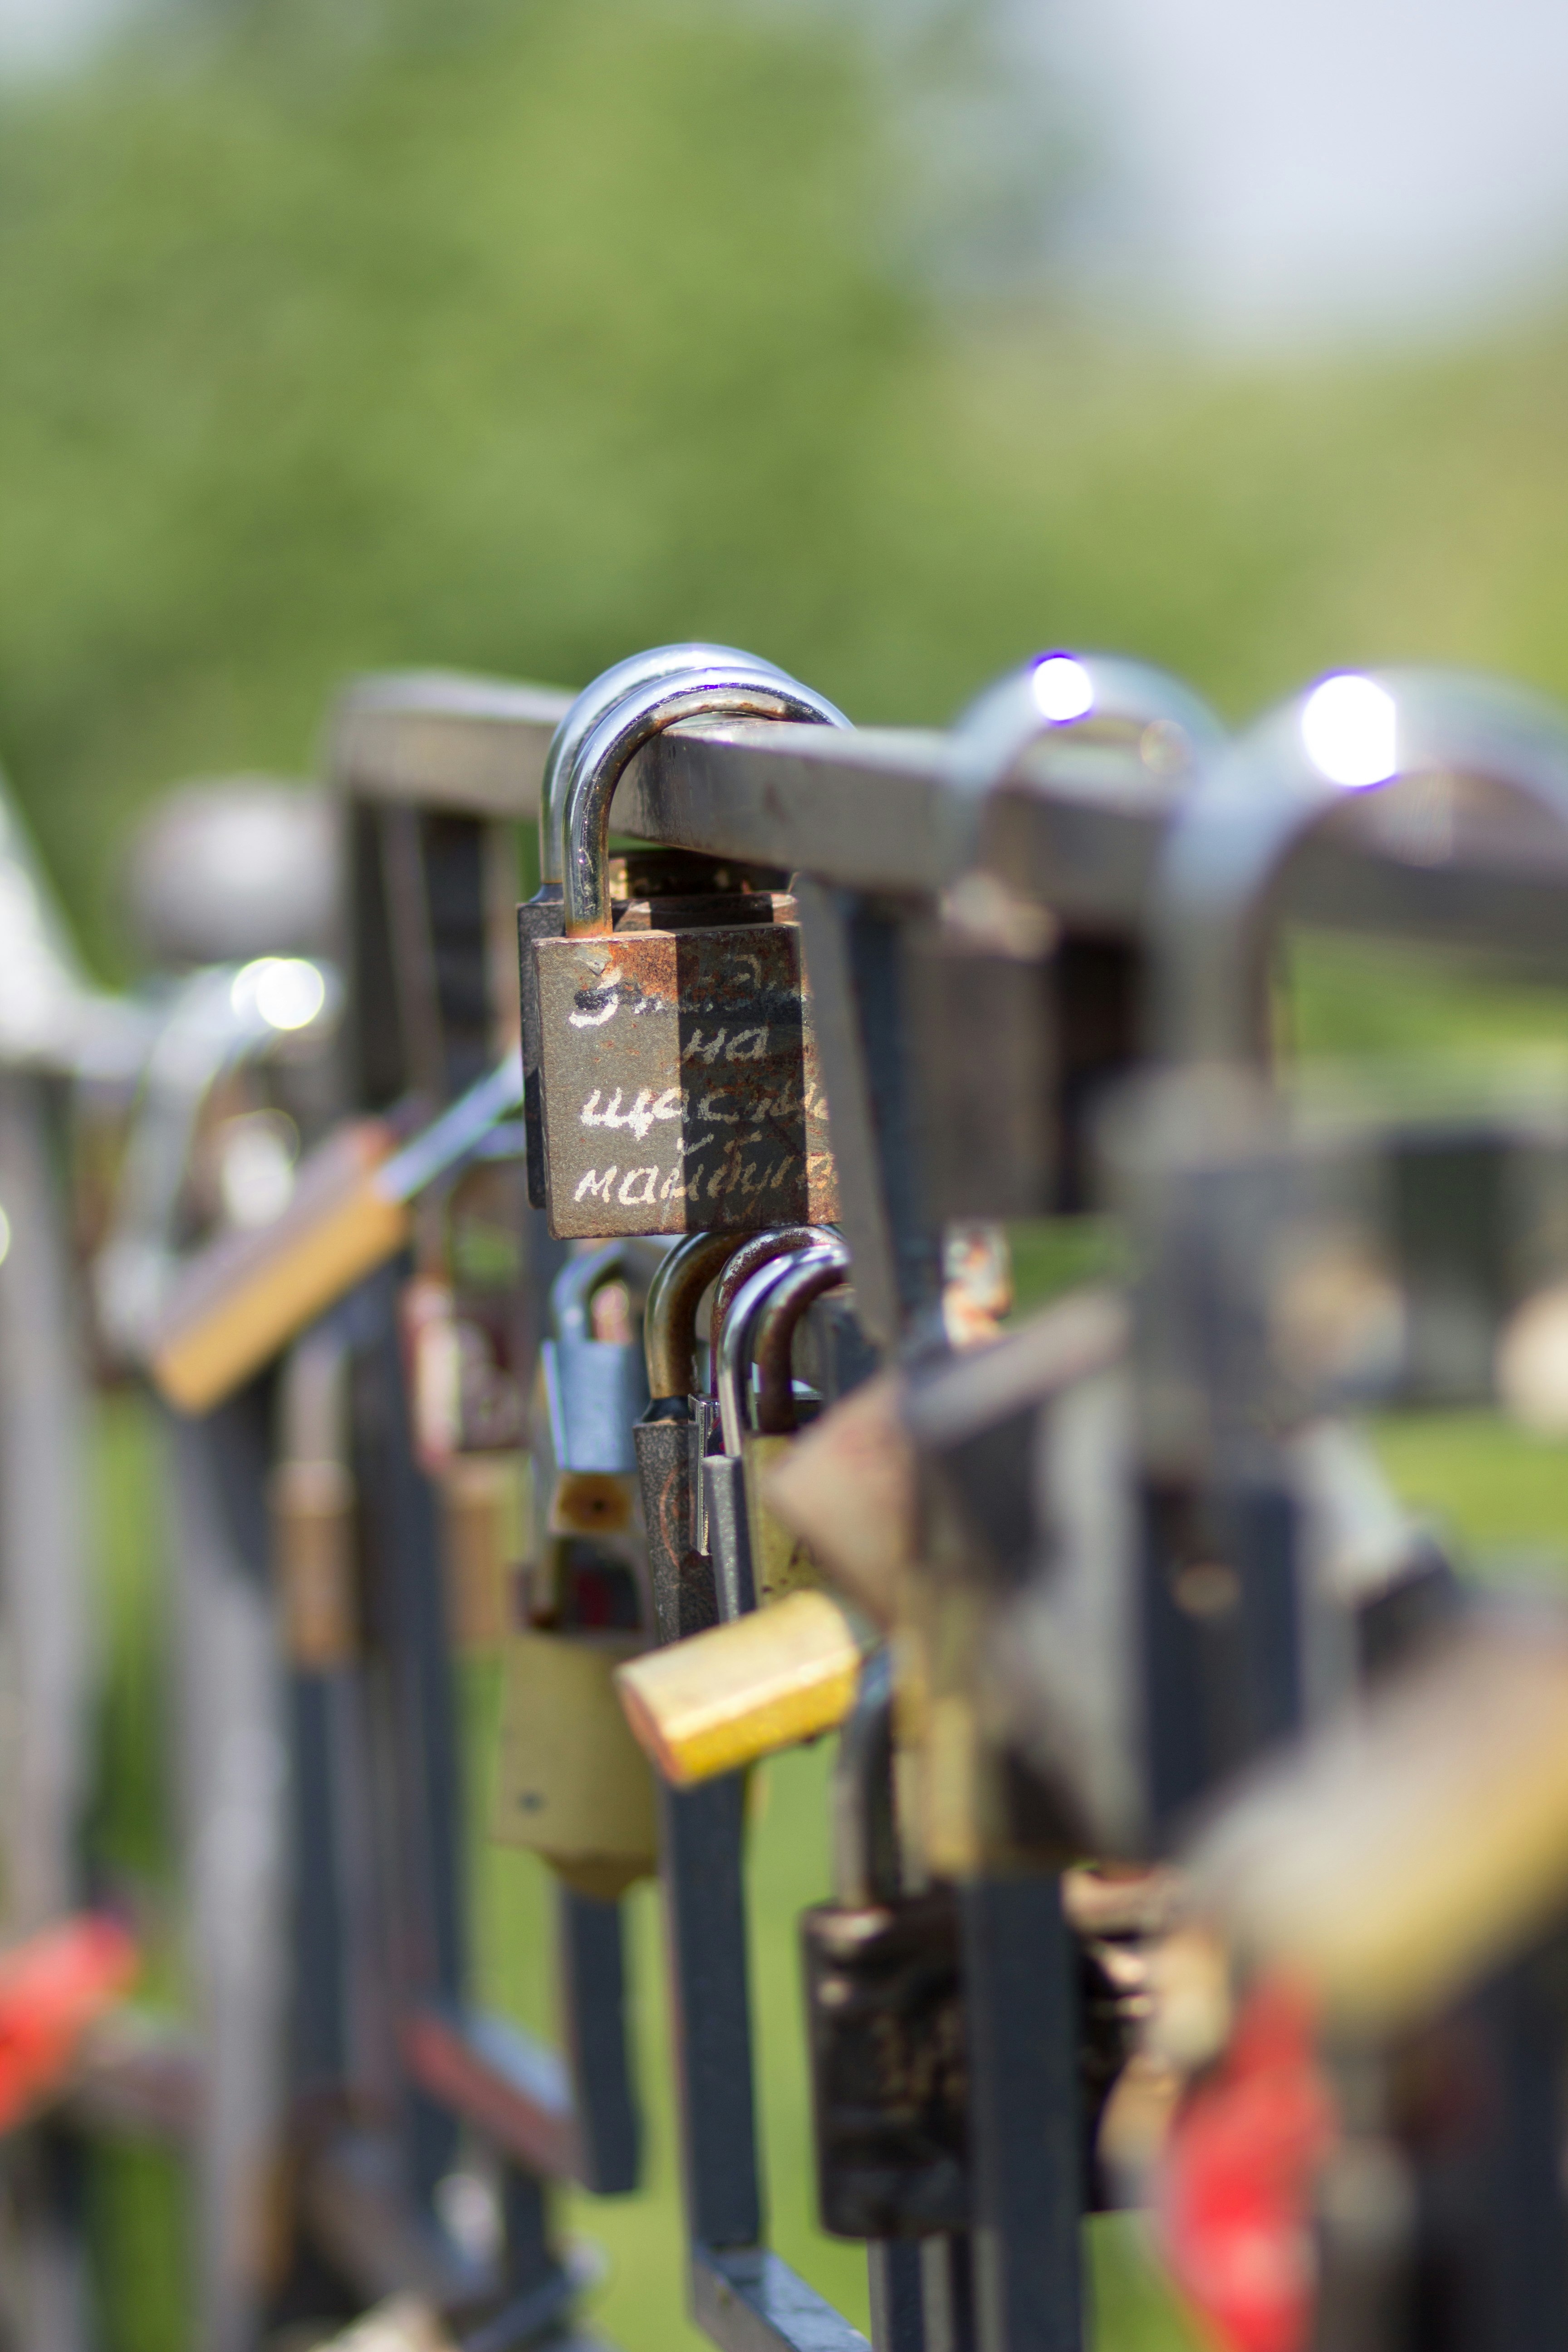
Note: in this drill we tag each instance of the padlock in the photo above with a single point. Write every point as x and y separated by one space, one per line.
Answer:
671 1436
885 2011
764 1407
574 1786
783 1667
542 916
588 1394
725 1698
728 1517
462 1318
1022 1023
239 1301
678 1066
706 1489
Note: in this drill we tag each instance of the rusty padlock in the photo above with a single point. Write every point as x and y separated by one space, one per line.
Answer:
678 1070
542 916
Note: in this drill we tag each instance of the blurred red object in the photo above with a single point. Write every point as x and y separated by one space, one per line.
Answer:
52 1987
1235 2205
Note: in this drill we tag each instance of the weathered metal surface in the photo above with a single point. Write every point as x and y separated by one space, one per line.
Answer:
751 2301
679 1082
684 1600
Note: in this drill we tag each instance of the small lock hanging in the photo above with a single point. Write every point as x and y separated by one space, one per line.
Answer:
573 1787
885 2010
783 1665
588 1392
671 1437
678 1083
757 1411
542 916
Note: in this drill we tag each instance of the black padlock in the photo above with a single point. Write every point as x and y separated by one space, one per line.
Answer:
885 2011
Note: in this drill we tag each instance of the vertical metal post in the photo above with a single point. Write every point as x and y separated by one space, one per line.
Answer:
415 1737
1021 2009
705 1924
235 1768
591 1945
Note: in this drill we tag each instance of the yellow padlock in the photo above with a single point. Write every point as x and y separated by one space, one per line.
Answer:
740 1691
574 1786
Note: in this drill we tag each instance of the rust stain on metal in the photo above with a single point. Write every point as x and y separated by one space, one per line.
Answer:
679 1082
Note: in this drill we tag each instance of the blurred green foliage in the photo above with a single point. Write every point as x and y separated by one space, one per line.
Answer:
515 336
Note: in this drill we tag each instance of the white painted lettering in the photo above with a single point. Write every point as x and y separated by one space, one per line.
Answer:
596 1019
698 1049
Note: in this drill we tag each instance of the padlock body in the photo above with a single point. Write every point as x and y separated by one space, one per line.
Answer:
680 1088
574 1786
684 1600
889 2076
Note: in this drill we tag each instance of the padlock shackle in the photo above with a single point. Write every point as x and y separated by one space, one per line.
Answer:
572 1291
669 1319
1236 836
756 1250
718 692
1064 693
600 695
813 1272
737 1346
864 1832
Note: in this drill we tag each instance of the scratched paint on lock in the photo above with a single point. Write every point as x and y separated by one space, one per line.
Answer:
680 1083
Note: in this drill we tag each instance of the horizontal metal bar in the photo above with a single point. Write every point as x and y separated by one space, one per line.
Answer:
445 741
874 809
499 2078
748 2300
870 808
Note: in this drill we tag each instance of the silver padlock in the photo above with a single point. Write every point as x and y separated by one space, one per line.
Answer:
671 1436
677 1064
748 1562
542 918
590 1391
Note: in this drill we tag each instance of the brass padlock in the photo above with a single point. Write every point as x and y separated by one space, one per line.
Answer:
574 1786
678 1066
542 916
